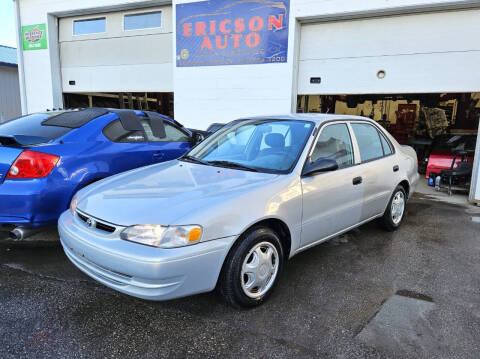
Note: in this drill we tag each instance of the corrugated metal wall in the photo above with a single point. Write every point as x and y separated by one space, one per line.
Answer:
10 106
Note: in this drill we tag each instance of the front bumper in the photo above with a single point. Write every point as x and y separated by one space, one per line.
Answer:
142 271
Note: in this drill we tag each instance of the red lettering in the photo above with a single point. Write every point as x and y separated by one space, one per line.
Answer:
200 29
274 22
206 44
187 29
213 25
223 26
256 23
218 41
239 25
236 40
252 39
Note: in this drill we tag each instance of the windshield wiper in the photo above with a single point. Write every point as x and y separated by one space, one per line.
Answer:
229 164
194 160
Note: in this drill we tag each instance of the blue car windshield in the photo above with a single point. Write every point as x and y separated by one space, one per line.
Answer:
271 146
31 125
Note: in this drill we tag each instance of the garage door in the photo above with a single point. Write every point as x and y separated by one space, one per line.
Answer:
434 52
128 51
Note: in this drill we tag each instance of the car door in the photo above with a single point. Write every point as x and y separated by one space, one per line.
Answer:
175 143
332 201
378 168
127 149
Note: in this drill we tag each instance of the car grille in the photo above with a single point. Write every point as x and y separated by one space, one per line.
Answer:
91 222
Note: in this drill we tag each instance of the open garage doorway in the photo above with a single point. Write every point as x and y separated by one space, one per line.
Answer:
161 102
441 127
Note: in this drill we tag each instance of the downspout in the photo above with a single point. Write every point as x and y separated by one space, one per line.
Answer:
21 67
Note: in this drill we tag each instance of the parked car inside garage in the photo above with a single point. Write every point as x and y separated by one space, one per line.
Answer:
230 212
46 157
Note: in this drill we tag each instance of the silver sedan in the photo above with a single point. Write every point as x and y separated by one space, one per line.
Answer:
230 213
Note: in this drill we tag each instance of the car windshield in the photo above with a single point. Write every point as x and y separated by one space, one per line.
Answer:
271 146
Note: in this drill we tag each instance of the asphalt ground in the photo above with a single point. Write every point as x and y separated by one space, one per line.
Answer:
367 294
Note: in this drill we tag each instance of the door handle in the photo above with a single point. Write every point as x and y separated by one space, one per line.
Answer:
396 168
357 180
158 155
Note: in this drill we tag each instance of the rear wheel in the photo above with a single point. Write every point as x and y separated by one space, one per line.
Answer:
252 268
393 216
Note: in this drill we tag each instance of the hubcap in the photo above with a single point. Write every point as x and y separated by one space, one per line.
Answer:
259 269
398 207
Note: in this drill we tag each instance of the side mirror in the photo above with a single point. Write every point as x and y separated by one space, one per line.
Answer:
197 137
320 165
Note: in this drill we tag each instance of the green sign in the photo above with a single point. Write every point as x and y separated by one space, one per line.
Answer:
34 37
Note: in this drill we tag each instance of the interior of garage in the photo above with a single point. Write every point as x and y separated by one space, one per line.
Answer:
161 102
435 124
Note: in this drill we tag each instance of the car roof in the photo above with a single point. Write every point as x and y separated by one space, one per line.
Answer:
313 117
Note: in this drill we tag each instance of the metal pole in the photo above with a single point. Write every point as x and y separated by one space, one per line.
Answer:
474 195
21 67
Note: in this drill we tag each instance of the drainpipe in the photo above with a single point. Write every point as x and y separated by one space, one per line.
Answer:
21 67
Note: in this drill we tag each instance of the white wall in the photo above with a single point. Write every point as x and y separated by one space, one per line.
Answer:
203 94
219 94
223 93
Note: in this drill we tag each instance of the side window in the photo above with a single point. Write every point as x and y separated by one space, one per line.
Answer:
368 141
387 149
116 133
173 134
334 143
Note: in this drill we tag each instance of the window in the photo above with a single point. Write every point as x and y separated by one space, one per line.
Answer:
271 146
282 129
387 149
145 20
368 141
334 143
32 126
89 26
172 133
116 133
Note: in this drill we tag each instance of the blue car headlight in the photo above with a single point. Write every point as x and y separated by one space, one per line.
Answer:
163 236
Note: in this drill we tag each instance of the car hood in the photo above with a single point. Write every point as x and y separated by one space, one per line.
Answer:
162 193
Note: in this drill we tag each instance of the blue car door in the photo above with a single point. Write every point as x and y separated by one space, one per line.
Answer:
175 143
128 149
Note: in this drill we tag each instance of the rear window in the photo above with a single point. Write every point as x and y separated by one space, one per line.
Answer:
31 125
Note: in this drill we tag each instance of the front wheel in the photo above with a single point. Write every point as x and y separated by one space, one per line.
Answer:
252 268
393 216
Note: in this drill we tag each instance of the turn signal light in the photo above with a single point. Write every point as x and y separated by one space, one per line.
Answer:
32 164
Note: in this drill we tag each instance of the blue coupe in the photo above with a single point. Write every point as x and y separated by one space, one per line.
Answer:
45 158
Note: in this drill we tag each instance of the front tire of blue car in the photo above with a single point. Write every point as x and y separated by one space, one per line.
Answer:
252 268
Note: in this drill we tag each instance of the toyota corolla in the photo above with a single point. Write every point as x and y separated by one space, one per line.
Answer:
230 212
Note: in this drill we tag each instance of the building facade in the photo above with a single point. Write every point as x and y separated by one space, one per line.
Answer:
214 61
9 87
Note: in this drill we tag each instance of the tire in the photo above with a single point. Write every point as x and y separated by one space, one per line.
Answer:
252 268
393 216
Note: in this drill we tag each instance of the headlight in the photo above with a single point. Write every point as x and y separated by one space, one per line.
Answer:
163 236
74 203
